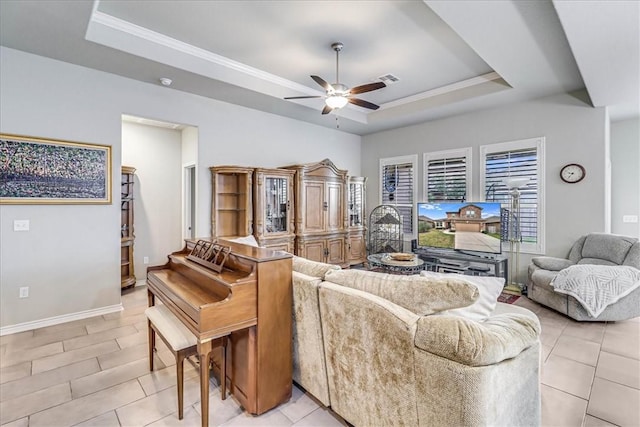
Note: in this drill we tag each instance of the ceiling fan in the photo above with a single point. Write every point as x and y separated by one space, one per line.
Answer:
338 95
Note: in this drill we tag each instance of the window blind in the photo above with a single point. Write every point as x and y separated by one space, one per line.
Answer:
397 190
516 163
447 179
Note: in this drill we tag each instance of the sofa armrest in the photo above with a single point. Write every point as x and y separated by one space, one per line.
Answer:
473 343
309 366
552 263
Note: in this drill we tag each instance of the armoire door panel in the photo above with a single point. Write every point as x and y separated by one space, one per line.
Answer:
314 206
356 248
336 251
314 251
335 206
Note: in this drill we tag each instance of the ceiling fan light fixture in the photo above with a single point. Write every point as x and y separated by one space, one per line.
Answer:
336 101
339 95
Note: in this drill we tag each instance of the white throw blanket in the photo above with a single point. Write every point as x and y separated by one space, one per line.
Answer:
596 286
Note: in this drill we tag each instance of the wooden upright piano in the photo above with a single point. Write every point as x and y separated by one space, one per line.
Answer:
249 300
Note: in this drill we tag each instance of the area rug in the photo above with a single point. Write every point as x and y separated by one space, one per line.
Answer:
508 298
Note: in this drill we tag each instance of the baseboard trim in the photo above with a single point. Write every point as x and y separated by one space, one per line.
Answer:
56 320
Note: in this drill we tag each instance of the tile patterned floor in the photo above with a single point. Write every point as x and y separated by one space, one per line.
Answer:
590 371
94 372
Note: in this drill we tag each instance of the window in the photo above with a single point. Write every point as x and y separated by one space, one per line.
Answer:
525 159
447 175
397 178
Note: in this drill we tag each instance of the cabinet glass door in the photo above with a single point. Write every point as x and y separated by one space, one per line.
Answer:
355 205
276 199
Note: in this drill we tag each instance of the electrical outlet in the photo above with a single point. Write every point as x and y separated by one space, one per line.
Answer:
630 218
24 292
145 260
21 225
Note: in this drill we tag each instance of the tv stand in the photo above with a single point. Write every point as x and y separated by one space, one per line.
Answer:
458 262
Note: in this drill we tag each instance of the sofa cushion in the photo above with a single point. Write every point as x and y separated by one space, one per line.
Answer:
477 344
608 247
489 289
421 295
543 278
312 268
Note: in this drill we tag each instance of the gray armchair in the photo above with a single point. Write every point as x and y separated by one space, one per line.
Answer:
594 248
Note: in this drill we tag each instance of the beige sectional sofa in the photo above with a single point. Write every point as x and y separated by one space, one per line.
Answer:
373 347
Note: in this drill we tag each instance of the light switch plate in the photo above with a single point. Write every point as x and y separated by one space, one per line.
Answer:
21 225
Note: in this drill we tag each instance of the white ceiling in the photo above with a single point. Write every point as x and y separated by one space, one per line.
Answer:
451 56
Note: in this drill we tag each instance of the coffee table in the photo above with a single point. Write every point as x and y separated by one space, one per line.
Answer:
384 262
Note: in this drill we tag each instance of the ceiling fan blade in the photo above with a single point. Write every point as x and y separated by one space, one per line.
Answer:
367 88
302 97
327 109
322 83
362 103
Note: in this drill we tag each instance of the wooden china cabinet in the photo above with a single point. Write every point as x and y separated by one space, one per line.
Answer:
357 221
320 212
273 200
231 201
127 274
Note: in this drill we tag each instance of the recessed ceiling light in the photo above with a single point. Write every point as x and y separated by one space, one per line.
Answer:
166 81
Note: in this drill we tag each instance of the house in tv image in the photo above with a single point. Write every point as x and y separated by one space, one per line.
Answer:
469 226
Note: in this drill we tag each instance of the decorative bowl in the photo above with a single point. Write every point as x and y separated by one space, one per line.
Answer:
400 256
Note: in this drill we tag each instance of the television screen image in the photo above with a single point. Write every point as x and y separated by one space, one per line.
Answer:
462 226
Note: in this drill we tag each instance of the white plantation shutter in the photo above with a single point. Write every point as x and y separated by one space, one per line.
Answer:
524 159
447 175
402 196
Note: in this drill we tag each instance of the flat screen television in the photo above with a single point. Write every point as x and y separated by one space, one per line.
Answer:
460 226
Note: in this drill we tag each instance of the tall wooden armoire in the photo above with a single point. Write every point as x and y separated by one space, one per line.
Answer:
320 212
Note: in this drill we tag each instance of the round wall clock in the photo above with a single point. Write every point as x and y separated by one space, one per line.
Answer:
572 173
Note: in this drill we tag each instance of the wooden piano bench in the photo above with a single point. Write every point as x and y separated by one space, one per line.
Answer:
182 343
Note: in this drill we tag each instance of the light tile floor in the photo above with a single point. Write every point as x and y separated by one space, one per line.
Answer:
590 371
94 372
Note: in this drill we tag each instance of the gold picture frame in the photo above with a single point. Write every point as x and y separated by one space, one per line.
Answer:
52 171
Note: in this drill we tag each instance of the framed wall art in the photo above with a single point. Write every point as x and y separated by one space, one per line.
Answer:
49 171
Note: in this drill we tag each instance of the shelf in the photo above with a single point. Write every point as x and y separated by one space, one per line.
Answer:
231 201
